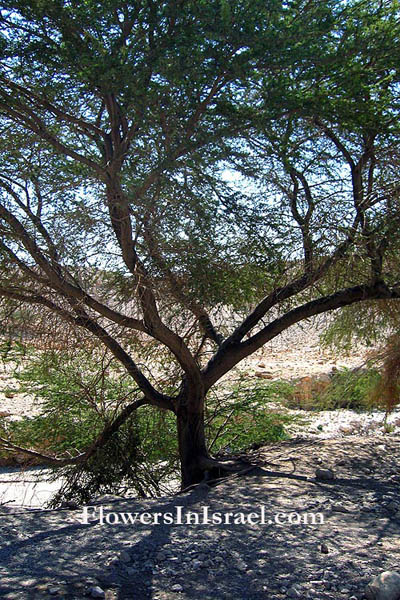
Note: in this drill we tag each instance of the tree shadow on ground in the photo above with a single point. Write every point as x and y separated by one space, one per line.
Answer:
42 549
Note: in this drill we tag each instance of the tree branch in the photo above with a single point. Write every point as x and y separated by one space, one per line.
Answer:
217 368
98 443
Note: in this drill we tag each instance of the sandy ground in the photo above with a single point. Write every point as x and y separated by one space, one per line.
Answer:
26 486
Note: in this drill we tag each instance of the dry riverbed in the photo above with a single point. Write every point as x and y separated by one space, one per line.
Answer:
58 554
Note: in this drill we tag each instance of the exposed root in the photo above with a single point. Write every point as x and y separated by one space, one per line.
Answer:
230 466
207 482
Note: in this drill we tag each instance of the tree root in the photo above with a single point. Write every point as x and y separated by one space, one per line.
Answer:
207 482
208 464
216 471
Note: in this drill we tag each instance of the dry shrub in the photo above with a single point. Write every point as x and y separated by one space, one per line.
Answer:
308 389
387 391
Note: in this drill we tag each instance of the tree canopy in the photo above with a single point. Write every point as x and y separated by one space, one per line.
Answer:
198 175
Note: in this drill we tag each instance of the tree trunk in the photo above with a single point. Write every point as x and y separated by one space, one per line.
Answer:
192 442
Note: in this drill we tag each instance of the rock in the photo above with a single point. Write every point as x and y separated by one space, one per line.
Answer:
97 592
201 556
324 378
324 549
124 556
53 591
294 592
177 588
197 564
346 429
264 375
385 586
241 565
324 474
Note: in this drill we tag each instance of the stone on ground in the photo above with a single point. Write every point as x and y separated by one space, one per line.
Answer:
385 586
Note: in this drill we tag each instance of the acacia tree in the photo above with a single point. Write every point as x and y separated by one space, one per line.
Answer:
120 122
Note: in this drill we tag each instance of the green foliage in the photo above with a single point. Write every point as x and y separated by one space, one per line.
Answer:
243 417
77 396
350 389
12 351
74 380
371 323
76 400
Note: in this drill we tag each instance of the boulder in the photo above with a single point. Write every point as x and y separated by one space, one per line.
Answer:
97 592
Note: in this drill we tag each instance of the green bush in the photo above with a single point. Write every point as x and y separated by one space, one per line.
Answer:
243 418
349 389
12 350
77 395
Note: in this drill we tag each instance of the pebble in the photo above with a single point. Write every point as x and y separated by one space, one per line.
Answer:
294 592
241 565
324 549
124 556
324 474
264 375
177 588
97 592
197 564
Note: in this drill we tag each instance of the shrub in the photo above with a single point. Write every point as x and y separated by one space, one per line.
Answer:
77 394
243 417
346 388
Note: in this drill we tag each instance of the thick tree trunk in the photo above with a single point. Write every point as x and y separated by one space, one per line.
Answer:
192 442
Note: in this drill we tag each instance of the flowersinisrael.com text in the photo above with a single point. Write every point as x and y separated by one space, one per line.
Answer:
205 516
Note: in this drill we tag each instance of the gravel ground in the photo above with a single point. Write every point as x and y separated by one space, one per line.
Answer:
51 553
